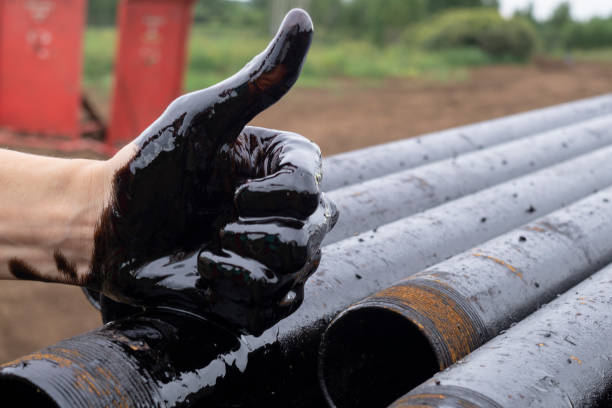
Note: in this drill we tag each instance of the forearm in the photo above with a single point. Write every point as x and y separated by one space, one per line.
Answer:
48 212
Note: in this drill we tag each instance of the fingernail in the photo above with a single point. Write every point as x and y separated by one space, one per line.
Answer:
288 299
331 211
298 17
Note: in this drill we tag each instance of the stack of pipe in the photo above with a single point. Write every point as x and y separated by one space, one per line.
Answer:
356 166
429 199
390 342
557 357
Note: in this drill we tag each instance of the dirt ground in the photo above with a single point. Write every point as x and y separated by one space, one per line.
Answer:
350 116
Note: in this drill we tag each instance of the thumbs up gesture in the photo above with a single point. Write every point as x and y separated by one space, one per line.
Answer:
212 216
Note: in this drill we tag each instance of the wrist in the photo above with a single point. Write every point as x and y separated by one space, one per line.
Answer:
95 180
77 208
91 188
49 207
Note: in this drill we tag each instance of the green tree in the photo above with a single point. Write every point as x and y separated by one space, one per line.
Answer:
484 29
562 16
230 13
326 13
435 6
211 10
383 20
101 12
553 30
527 13
596 33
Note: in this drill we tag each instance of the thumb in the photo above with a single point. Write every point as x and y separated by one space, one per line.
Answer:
217 114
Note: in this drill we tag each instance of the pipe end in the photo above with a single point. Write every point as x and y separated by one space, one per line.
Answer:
370 356
13 388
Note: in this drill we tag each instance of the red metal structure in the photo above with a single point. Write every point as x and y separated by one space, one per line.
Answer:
41 65
150 63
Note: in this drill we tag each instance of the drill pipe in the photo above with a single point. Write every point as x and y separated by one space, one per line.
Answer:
557 357
161 358
364 164
379 201
281 364
441 314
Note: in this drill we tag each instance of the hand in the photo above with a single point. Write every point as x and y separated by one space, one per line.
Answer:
210 216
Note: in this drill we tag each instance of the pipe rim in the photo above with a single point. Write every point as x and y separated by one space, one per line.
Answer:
41 397
327 348
436 322
443 396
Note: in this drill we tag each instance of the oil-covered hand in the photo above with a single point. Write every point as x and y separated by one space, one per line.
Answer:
252 272
213 217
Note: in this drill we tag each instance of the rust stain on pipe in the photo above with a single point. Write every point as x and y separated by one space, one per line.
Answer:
500 262
91 382
576 359
439 313
422 183
108 375
86 382
60 361
534 228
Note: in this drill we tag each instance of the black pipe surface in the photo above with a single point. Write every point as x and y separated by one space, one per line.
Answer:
380 201
557 357
281 367
364 164
454 307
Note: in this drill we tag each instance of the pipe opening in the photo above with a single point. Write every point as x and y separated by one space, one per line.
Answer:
24 393
372 356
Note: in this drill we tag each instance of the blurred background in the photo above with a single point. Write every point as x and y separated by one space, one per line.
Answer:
388 69
377 71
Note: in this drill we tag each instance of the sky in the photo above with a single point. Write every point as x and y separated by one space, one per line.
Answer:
581 9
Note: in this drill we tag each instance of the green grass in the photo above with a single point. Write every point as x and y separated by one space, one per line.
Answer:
216 53
596 55
99 57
